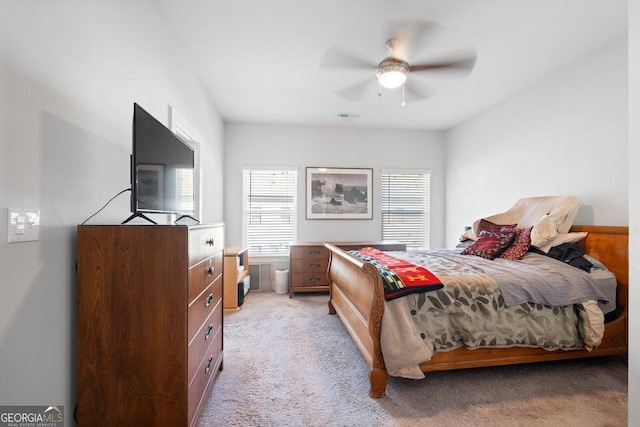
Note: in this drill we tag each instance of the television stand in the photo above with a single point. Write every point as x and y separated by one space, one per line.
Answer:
140 215
186 216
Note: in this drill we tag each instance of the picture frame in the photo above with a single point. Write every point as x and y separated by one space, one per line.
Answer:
339 193
150 187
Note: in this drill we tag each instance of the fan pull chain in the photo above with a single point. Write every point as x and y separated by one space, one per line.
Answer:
403 103
379 90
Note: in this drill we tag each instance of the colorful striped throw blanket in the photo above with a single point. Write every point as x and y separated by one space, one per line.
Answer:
399 277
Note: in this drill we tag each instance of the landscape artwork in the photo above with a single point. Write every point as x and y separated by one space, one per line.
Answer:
334 193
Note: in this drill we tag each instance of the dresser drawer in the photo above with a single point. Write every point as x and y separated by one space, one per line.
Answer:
309 252
207 369
202 307
206 334
203 274
309 265
204 242
301 280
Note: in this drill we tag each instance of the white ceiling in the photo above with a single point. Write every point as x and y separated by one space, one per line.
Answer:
260 59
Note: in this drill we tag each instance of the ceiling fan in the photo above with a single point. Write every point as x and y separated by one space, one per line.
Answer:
395 70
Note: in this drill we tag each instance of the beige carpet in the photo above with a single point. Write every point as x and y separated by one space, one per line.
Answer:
288 363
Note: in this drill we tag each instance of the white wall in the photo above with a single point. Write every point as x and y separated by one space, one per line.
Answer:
69 74
634 213
566 135
301 147
575 133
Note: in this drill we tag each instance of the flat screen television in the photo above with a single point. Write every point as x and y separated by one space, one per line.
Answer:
162 170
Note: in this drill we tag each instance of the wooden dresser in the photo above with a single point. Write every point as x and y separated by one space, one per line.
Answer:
308 263
149 333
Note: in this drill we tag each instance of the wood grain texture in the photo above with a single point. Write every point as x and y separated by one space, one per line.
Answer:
357 296
134 320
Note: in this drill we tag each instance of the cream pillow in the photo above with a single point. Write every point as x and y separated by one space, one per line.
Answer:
563 238
544 231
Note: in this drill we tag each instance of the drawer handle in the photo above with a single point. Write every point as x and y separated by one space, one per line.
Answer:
209 300
314 252
208 367
209 329
314 279
210 271
209 242
314 265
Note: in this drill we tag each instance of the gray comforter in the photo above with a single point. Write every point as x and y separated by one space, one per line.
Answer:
555 283
472 310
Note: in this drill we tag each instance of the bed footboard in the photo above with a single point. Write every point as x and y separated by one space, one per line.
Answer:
357 296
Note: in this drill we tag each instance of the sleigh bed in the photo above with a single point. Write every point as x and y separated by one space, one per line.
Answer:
357 295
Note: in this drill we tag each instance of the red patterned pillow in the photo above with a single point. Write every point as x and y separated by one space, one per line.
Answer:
490 245
494 228
520 245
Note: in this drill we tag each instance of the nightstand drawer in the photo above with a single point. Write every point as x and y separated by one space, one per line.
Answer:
309 265
309 252
302 280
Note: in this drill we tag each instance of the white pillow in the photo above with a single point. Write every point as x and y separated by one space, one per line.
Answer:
563 238
469 234
544 231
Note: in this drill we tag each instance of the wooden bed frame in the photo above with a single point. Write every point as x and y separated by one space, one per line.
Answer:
357 296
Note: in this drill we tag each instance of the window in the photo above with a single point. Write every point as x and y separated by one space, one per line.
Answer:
184 190
269 211
405 207
181 127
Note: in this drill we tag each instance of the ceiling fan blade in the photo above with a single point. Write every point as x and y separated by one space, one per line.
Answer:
463 65
415 93
339 59
411 36
357 91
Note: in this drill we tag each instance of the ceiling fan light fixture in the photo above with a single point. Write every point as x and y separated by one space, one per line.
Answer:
392 73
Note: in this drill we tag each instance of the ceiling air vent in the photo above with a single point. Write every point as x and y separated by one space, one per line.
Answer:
349 117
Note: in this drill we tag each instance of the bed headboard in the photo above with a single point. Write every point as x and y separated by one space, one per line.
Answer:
609 245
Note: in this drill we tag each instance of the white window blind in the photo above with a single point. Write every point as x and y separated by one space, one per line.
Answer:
405 208
269 211
184 189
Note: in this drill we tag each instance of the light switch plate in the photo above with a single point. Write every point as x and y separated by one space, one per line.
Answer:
23 225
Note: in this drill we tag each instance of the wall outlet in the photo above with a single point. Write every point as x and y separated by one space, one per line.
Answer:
23 225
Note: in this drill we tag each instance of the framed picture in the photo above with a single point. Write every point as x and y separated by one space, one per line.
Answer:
150 187
334 193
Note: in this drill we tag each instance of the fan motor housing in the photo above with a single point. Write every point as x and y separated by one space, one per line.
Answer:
392 66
